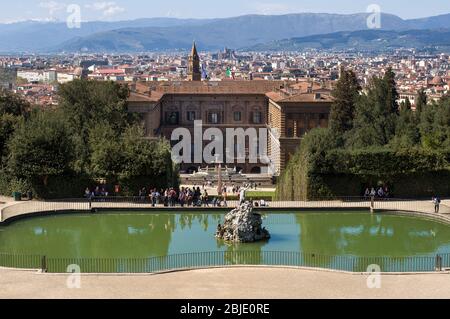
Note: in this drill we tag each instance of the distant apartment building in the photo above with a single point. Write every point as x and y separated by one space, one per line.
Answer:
109 74
38 76
66 77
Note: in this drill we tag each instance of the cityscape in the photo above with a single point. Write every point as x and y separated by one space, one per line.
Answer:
37 77
268 151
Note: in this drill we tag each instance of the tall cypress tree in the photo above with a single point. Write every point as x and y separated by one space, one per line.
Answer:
345 97
422 101
376 113
391 92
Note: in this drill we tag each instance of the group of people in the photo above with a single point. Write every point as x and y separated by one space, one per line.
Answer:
98 191
381 192
186 196
170 197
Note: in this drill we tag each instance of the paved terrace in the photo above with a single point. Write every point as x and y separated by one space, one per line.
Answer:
229 283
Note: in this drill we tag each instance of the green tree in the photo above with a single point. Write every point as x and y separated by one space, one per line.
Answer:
435 125
407 132
376 114
8 123
422 101
84 104
13 104
390 89
145 162
345 94
107 157
12 110
40 148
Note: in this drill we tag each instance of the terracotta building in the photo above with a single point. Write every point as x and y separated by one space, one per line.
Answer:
288 110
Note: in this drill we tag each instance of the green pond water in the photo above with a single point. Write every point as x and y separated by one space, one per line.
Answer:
145 234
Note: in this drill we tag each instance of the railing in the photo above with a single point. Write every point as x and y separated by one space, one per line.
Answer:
20 261
87 205
228 258
31 207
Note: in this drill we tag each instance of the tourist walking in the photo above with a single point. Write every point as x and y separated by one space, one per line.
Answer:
205 199
153 197
437 204
225 195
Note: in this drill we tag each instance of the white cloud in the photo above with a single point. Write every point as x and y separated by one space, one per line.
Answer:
108 8
52 6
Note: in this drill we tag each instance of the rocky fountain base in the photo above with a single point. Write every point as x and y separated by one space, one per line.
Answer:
242 226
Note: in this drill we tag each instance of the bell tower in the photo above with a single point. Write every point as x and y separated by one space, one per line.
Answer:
194 72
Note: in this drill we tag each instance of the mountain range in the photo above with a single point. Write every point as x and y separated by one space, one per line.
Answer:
364 40
159 34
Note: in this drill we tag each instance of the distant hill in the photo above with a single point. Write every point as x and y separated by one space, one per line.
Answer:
211 34
232 32
40 36
364 40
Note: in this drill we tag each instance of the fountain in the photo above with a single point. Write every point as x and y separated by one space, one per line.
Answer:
242 225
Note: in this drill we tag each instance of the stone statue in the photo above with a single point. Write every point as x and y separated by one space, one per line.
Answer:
242 226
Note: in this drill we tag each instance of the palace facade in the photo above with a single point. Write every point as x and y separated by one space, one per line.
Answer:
287 110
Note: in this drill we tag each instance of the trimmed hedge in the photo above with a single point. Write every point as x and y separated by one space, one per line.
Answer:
340 172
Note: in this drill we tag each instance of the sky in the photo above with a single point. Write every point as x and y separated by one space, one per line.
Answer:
20 10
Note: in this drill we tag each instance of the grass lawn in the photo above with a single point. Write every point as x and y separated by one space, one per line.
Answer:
260 194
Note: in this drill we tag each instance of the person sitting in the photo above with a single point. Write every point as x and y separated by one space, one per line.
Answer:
386 191
262 203
367 193
380 192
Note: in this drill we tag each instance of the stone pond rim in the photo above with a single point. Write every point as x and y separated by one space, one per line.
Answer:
242 225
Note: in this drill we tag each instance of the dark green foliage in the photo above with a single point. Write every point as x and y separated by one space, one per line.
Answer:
345 94
8 124
145 163
41 148
57 154
435 125
12 104
376 114
389 145
85 104
422 101
12 110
